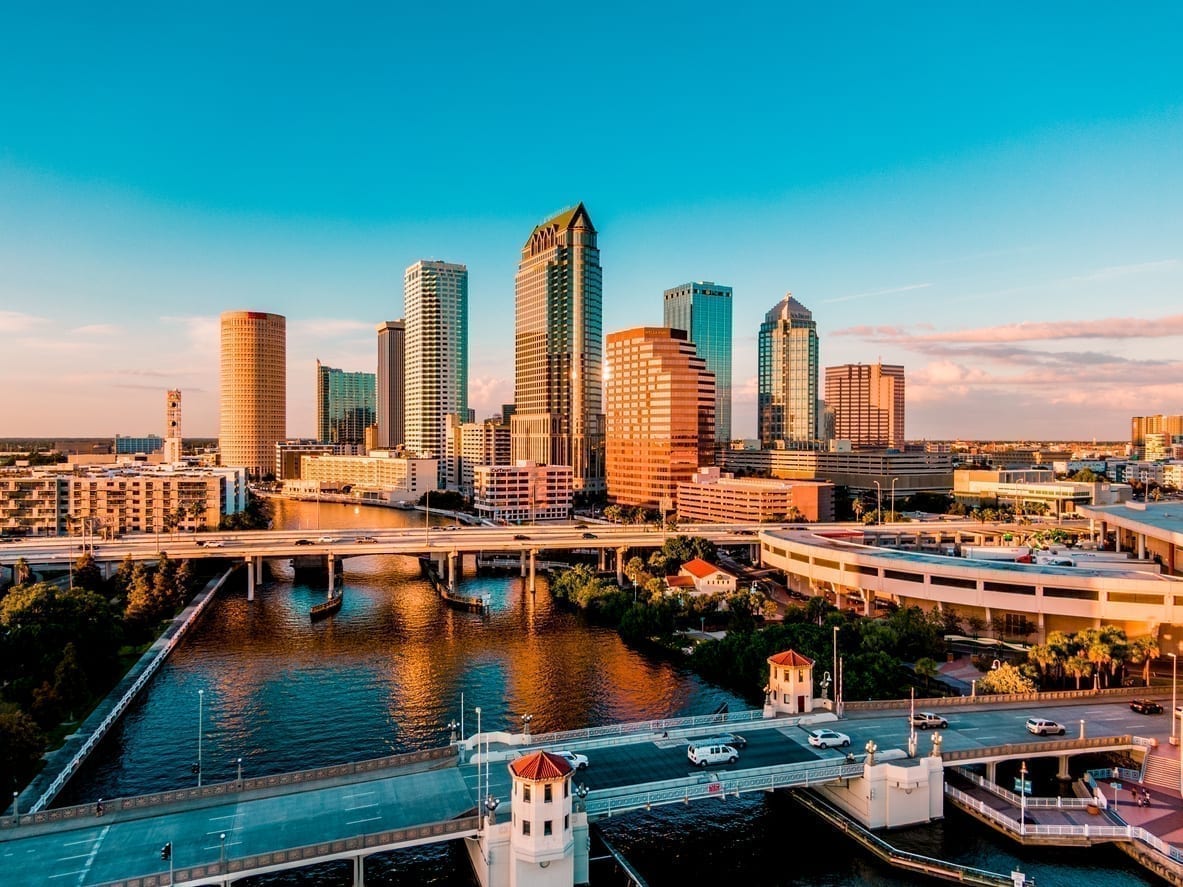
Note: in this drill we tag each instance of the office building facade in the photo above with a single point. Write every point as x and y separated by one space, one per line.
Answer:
253 415
172 426
436 301
867 401
558 349
659 416
344 405
703 310
523 492
392 370
786 408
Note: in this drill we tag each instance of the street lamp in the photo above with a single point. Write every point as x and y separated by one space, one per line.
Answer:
893 480
200 717
479 793
1174 713
1023 799
427 527
837 686
878 502
526 719
240 773
222 855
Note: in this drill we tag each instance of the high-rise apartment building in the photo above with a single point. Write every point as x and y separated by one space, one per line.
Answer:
392 369
558 350
703 310
659 417
254 389
172 426
1140 426
344 405
786 408
868 404
436 302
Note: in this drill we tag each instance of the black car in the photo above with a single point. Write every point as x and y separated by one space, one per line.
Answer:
1145 706
304 542
589 535
518 537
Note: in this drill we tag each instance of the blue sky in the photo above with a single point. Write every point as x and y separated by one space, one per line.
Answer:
990 196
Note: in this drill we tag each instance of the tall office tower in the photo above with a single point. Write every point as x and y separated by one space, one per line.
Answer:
659 415
436 297
172 426
1140 426
787 396
254 389
392 370
558 350
344 405
703 310
868 404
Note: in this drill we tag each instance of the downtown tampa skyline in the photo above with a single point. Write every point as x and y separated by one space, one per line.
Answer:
991 199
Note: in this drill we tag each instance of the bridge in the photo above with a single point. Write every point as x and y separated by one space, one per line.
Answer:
227 831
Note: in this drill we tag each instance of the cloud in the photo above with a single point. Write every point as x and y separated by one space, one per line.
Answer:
1107 328
486 394
98 329
19 322
1117 271
746 391
873 293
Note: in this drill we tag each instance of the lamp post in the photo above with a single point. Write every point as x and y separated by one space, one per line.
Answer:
240 773
222 853
893 480
526 719
1023 799
581 792
200 718
878 502
427 529
837 686
1174 713
16 812
479 794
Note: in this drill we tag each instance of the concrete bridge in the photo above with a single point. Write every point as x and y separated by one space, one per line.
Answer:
227 831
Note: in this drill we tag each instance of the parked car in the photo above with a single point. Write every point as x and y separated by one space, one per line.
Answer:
828 739
1042 727
732 739
577 761
303 542
700 755
1145 706
926 719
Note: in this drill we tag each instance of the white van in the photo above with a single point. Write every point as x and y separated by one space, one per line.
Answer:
702 755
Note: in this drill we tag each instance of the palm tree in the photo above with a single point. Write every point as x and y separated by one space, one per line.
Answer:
1142 650
1079 667
21 572
1047 659
858 508
926 668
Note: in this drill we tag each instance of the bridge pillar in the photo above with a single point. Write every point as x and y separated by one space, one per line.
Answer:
451 571
603 560
332 572
359 871
1141 546
533 554
1062 772
250 578
620 552
992 771
523 559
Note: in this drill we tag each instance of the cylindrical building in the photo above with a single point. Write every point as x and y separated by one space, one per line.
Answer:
254 389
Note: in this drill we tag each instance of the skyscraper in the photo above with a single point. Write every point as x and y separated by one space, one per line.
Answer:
659 415
344 405
703 310
436 297
787 398
172 426
254 389
558 349
392 369
868 403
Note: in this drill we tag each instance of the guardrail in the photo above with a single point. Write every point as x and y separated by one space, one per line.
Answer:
235 787
1013 798
994 699
662 726
1023 749
1127 773
121 706
295 857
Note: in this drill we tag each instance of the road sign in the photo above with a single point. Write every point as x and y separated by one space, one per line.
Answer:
1116 785
1023 786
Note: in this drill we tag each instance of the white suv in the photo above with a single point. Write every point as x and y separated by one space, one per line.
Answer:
1041 727
701 755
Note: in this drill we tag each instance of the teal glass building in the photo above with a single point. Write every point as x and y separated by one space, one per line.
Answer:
703 311
786 406
345 404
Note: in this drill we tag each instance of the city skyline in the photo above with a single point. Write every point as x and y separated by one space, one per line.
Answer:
998 215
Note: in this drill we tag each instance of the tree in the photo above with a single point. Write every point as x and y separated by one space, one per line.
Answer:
1141 651
1079 667
21 573
70 684
613 513
1004 679
857 507
926 668
87 573
21 745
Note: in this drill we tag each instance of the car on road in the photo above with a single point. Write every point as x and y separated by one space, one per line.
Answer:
212 543
327 539
577 761
828 739
303 542
745 532
518 537
926 719
1145 706
1042 727
365 539
732 739
590 536
701 754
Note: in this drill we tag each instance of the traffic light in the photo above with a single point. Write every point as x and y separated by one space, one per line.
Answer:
166 852
196 769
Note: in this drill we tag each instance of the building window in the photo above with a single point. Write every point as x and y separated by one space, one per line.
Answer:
546 829
546 793
566 788
525 792
525 826
567 823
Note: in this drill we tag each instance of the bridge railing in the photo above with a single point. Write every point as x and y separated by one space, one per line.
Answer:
993 699
1047 746
661 726
1012 798
234 787
295 856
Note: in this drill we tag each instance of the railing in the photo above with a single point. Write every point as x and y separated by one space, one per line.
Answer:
120 707
1012 798
1023 749
360 845
220 789
739 717
993 698
1126 773
607 802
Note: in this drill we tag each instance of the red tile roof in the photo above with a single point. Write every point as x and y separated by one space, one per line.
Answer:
679 581
700 568
791 658
540 766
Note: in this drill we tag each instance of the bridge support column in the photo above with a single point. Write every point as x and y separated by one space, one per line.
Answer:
1062 772
359 871
523 559
451 571
620 552
533 553
1141 546
992 771
250 578
332 563
603 559
259 568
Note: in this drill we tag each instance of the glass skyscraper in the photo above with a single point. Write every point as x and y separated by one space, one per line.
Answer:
344 405
703 311
788 368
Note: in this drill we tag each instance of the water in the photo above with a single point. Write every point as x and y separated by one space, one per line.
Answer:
386 675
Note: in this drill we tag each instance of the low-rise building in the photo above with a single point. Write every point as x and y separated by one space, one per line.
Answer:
133 500
914 472
378 477
715 497
707 578
33 504
523 491
1023 488
469 444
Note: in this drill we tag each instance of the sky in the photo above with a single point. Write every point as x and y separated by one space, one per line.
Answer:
991 196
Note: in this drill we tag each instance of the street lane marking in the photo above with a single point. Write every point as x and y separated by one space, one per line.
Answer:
76 843
233 828
231 816
358 821
361 807
93 853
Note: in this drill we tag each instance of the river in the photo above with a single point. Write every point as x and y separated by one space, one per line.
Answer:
387 674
